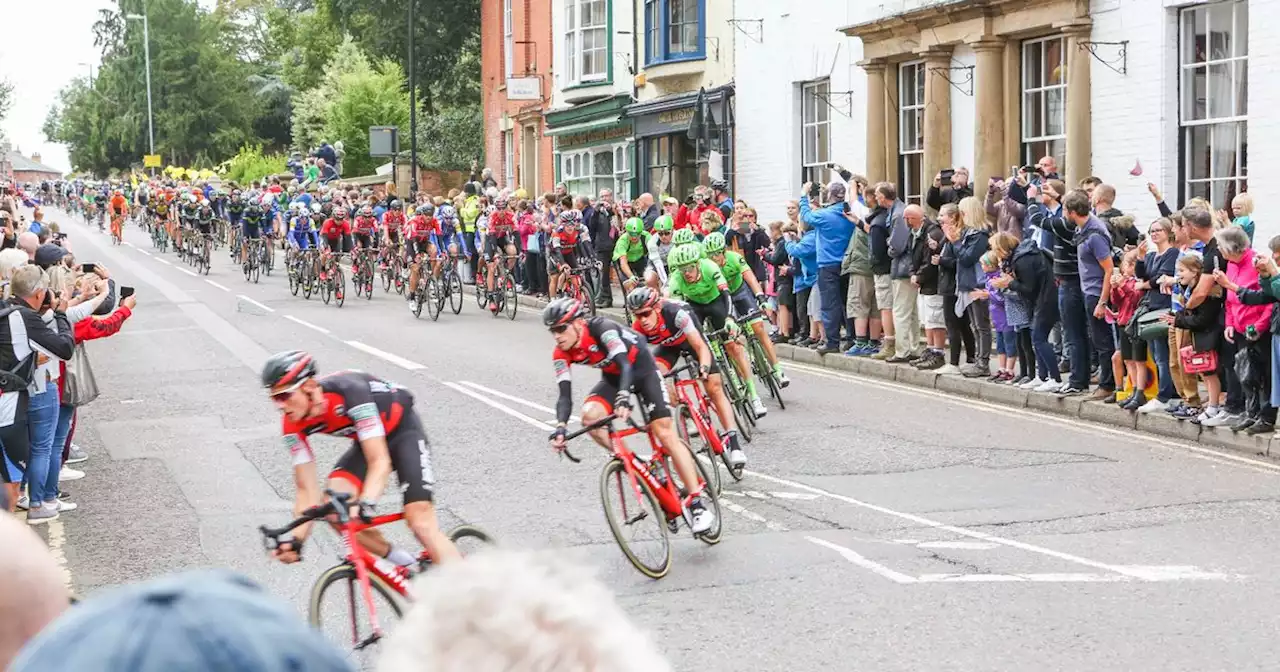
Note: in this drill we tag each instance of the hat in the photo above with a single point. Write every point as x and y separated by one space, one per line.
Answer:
836 191
49 254
194 621
670 200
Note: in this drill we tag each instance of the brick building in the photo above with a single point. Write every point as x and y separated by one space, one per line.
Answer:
908 87
29 170
515 66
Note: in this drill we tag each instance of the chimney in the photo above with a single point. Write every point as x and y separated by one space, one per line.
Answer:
36 157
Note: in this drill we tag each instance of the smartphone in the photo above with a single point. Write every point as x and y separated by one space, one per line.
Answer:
88 268
126 292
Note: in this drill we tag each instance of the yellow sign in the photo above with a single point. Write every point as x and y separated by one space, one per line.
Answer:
151 161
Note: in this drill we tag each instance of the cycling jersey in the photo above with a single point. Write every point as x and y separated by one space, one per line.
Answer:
732 268
670 334
335 228
707 289
422 227
634 248
365 225
393 220
363 406
624 362
119 205
501 224
565 236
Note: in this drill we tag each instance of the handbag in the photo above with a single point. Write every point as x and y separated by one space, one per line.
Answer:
80 387
1198 362
1150 326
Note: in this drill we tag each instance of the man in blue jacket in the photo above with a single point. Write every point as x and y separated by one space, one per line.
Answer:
834 231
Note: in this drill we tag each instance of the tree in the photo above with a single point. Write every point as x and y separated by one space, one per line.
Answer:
6 101
367 96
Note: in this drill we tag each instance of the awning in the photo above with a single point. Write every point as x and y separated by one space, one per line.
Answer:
585 126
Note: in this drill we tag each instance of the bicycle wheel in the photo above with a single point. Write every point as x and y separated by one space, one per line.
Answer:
295 280
420 296
339 286
702 452
710 499
337 606
636 520
760 362
586 298
470 539
386 276
481 285
455 292
205 257
510 301
255 266
432 299
737 392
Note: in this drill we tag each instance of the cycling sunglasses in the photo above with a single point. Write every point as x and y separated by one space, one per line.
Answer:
283 395
643 314
559 329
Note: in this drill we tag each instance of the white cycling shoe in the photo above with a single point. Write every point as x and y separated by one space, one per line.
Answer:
757 405
703 519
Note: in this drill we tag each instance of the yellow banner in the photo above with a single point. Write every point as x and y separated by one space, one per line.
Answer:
151 161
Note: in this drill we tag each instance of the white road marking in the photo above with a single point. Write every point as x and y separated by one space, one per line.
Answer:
57 540
859 560
751 515
268 308
190 273
217 285
382 354
518 400
959 545
144 251
1074 424
128 243
163 261
805 496
500 406
306 324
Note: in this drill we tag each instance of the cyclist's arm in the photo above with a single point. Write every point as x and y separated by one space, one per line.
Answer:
749 277
685 323
307 494
616 349
564 380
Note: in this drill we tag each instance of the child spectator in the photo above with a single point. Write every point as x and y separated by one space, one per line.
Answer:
1131 359
1006 339
1197 328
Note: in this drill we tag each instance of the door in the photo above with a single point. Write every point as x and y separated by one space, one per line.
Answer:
529 177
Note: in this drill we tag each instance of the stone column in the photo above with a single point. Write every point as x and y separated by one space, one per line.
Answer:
876 169
988 94
937 112
1079 111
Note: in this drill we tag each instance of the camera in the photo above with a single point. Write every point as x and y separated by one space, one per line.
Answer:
814 190
945 174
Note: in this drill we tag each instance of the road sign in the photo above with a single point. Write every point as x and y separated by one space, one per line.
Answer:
524 88
384 140
151 161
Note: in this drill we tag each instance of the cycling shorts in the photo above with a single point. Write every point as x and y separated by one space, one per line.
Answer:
570 258
251 229
393 234
410 459
205 228
339 244
369 240
669 356
495 246
744 302
646 384
415 246
714 313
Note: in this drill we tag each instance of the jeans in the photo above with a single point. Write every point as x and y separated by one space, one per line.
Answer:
1227 350
832 311
1104 344
1164 377
958 331
66 414
1257 396
1075 324
1042 324
42 421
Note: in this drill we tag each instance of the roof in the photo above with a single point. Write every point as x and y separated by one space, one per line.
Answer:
21 163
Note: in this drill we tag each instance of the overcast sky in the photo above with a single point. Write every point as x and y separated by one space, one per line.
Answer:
46 44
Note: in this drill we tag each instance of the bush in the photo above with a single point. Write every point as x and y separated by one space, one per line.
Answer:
451 139
251 164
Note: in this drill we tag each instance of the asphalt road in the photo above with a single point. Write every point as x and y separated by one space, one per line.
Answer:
879 528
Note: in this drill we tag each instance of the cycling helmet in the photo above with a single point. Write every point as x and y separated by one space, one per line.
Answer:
635 226
366 211
570 217
642 298
663 223
447 214
295 207
561 311
191 198
396 204
500 202
684 255
719 185
287 368
713 243
339 212
683 237
427 209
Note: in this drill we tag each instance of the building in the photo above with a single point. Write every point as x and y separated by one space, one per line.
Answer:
910 87
686 51
515 69
592 86
29 170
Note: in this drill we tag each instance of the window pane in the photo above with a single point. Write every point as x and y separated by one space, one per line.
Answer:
1033 65
810 144
1241 85
919 78
1221 21
569 14
1195 40
1033 115
1055 111
1221 91
1197 148
1054 65
1193 94
1199 190
1224 150
1242 29
807 103
604 164
821 107
824 144
571 56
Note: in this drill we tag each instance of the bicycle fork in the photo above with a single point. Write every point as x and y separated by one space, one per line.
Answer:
366 592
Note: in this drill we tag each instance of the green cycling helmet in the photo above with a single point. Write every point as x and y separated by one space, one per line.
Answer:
635 226
684 255
663 223
713 243
683 237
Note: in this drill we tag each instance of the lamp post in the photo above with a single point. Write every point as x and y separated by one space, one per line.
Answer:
413 106
146 50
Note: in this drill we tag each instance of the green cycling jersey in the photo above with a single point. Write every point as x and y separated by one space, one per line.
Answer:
632 247
706 289
732 268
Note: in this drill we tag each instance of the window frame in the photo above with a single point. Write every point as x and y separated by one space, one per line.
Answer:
508 39
811 167
1235 122
1029 146
509 158
574 37
578 170
657 37
911 107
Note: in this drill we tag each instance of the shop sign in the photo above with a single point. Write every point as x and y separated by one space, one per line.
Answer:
593 136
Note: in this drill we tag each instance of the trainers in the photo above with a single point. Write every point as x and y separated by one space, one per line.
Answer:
974 371
703 519
23 502
1243 424
1020 381
1049 385
737 458
69 474
931 361
1260 427
1067 390
76 455
63 505
783 380
1185 412
949 370
1031 384
42 513
413 306
1219 419
757 405
1103 395
828 350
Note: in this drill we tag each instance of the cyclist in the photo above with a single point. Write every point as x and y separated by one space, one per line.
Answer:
252 219
631 252
660 244
203 223
364 232
564 239
625 366
673 331
747 294
499 239
423 231
119 209
702 285
235 210
335 236
393 222
388 436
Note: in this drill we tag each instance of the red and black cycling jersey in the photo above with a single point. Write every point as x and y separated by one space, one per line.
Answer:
501 224
421 227
393 220
366 225
335 228
675 324
565 236
357 404
601 341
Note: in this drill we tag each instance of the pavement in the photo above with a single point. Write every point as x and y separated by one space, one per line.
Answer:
881 525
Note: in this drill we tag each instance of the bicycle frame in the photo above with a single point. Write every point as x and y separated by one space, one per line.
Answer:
668 497
690 393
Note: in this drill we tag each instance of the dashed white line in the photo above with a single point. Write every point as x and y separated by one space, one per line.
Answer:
307 324
217 285
128 243
190 273
381 354
144 252
861 561
518 400
266 308
500 406
163 261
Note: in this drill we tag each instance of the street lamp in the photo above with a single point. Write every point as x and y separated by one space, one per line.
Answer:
413 106
146 50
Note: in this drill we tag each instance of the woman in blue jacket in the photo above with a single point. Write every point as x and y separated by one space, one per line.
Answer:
966 228
804 253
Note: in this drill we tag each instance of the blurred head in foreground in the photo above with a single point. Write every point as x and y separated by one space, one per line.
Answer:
505 611
32 592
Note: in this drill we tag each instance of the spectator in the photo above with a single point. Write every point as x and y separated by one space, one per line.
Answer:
1008 214
32 588
603 226
1089 185
1269 279
925 276
802 245
1006 347
1248 327
516 612
958 189
1156 270
29 242
1047 167
834 231
967 232
1131 360
647 210
721 198
1120 226
905 224
783 280
1225 397
1094 260
1242 211
1197 326
194 621
745 236
959 332
1047 215
880 224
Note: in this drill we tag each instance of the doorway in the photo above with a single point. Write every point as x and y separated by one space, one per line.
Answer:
529 160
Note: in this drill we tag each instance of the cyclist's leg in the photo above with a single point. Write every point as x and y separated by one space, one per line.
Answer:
597 405
491 261
653 394
411 459
415 269
666 357
348 477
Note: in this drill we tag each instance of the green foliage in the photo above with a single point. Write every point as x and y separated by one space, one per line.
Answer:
451 139
251 164
369 96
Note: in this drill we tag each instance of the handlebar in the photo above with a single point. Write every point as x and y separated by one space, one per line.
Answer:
602 422
337 504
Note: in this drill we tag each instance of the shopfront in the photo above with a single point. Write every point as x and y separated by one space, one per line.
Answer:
594 148
672 159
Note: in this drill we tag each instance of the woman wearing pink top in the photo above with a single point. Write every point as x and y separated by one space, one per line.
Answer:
1248 328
